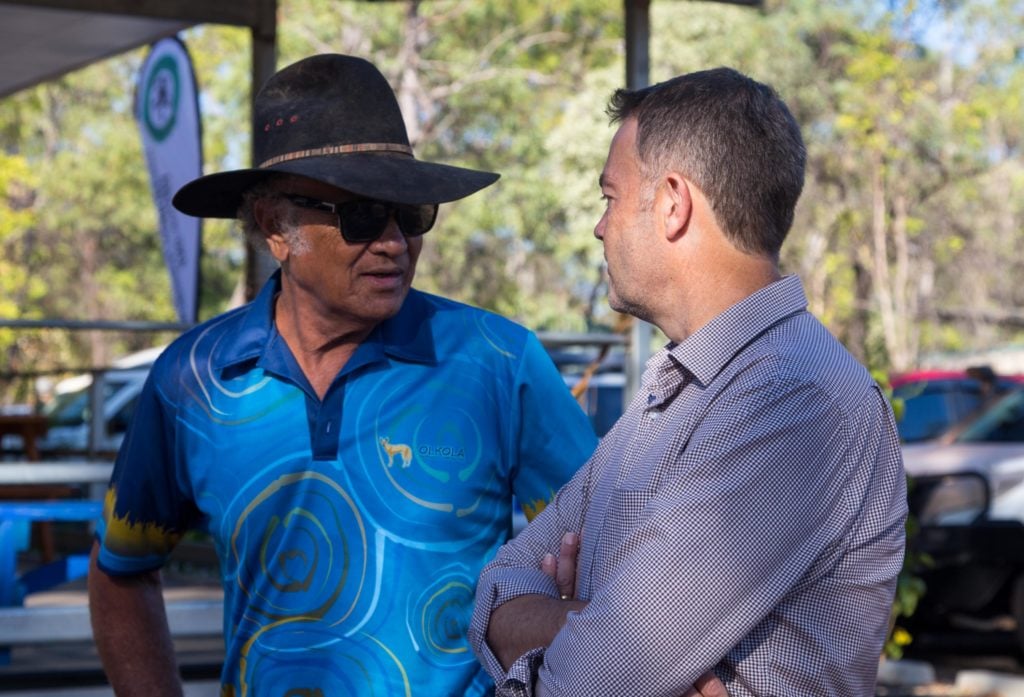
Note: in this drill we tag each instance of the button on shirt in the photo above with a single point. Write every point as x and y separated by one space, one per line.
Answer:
745 514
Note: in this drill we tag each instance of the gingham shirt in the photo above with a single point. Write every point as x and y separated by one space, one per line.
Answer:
745 514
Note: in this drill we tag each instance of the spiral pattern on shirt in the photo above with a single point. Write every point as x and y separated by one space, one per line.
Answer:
310 565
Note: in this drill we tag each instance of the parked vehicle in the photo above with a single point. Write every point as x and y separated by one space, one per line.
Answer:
934 400
599 380
967 493
72 429
990 445
70 413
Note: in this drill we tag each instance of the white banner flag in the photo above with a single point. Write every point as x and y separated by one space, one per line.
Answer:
167 109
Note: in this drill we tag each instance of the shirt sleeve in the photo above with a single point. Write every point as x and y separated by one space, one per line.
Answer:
552 436
515 572
145 511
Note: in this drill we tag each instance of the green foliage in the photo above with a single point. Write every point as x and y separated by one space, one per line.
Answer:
81 241
913 199
17 217
910 588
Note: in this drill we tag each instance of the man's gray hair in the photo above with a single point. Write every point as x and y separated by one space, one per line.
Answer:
285 216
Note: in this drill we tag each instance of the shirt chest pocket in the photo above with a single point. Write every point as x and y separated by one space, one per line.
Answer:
621 529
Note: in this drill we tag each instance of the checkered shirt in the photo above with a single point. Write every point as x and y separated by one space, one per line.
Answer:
744 515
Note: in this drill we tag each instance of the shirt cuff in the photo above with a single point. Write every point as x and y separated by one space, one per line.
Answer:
522 675
494 589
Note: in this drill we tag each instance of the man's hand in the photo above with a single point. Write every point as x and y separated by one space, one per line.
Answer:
563 568
707 685
532 621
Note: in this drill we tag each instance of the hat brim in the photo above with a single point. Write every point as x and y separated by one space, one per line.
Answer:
393 178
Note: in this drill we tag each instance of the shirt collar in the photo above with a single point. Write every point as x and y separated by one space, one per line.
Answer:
708 350
407 336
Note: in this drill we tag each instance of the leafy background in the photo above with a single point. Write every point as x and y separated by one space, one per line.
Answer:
905 236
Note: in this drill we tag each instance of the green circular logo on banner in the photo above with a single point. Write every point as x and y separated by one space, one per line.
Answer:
160 99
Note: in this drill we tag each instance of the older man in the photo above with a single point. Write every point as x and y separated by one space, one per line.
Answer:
351 445
746 513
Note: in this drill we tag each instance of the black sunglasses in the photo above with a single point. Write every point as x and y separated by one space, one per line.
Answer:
364 220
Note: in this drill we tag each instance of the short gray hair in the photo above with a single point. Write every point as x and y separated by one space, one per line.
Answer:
285 216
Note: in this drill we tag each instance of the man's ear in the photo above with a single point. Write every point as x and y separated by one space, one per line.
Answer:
677 204
267 217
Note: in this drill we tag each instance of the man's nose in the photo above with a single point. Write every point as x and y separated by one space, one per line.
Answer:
392 238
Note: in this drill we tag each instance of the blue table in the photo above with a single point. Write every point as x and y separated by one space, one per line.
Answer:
13 588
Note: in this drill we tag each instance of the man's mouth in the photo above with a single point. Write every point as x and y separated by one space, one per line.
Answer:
386 278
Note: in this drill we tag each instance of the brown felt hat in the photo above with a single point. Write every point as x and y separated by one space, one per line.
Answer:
335 119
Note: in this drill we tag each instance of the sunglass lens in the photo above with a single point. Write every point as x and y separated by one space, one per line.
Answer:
414 221
363 220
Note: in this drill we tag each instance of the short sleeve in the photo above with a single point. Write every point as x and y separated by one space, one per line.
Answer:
553 436
145 511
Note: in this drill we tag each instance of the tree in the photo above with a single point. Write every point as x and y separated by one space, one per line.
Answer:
904 136
909 216
84 244
17 288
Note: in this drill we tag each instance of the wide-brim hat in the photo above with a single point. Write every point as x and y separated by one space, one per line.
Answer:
335 119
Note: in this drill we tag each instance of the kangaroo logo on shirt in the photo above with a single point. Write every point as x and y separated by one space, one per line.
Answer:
400 449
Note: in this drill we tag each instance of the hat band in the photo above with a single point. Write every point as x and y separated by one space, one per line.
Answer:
337 150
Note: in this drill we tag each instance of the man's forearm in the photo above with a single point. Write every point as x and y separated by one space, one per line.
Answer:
129 624
525 623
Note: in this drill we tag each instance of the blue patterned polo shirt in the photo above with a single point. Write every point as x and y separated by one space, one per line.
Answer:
350 531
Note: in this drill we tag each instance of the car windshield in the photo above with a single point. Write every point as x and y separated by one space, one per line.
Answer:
926 416
932 406
72 408
1003 422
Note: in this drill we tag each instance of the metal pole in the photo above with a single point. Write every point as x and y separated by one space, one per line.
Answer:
259 264
638 31
98 325
97 419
